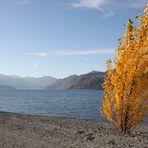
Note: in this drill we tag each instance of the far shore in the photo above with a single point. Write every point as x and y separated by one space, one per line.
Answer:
32 131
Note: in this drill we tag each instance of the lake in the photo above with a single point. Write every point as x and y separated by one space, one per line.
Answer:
83 104
70 103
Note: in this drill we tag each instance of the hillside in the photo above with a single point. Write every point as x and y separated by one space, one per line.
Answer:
27 83
92 80
65 83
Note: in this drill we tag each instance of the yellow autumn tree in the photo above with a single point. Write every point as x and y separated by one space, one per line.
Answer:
125 101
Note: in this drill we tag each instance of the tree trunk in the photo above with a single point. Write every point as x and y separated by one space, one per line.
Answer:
124 128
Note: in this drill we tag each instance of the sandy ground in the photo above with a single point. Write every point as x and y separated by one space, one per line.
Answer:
26 131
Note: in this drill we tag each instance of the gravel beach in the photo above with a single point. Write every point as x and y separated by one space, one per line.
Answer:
27 131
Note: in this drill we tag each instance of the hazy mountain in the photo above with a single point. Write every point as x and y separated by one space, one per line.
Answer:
25 83
41 81
92 80
14 81
5 87
65 83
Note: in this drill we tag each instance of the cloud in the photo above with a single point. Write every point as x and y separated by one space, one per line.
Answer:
72 53
100 4
40 54
78 53
95 4
107 7
23 2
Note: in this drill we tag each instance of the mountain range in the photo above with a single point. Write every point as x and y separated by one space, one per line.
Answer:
27 83
92 80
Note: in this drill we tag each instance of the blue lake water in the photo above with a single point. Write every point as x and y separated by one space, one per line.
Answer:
70 103
83 104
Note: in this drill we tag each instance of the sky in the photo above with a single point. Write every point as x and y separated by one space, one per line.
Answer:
61 37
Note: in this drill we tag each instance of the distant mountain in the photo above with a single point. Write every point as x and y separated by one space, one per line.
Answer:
16 82
4 87
92 80
65 83
43 82
26 82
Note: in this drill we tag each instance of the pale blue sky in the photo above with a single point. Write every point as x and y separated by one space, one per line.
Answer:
61 37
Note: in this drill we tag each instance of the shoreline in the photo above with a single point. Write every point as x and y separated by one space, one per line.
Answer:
36 131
